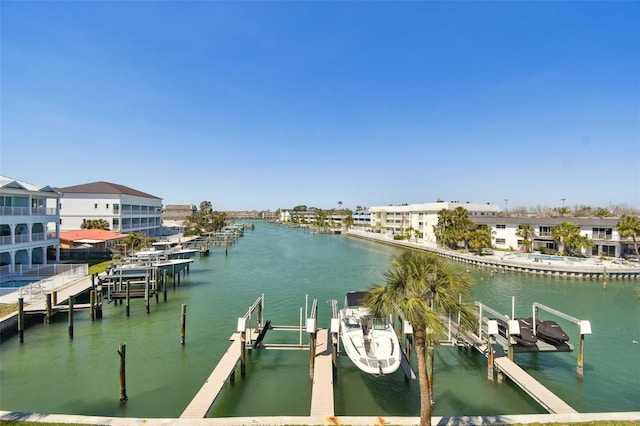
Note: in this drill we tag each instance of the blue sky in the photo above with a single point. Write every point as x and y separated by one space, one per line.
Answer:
261 105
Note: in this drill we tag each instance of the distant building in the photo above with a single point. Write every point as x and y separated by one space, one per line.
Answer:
242 214
95 238
174 215
423 217
125 209
362 218
26 212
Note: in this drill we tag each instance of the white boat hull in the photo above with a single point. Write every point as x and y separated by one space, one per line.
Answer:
371 344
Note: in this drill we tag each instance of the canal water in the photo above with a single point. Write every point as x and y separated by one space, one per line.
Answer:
50 373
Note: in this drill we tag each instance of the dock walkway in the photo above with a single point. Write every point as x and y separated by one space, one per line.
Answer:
322 391
199 406
531 386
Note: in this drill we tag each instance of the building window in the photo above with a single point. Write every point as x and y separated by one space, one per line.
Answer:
501 241
602 233
501 226
95 206
116 208
107 205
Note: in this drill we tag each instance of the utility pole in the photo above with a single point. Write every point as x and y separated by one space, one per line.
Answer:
506 208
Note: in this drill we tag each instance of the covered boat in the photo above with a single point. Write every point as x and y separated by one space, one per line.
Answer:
526 336
370 342
551 332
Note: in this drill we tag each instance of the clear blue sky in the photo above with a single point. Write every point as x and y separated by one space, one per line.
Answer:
261 105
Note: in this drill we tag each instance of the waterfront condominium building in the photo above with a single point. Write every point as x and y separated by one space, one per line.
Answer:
26 212
125 209
421 218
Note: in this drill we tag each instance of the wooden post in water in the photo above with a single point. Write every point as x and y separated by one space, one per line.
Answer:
183 323
122 379
99 302
127 301
54 298
490 359
580 366
173 275
71 300
243 353
47 315
21 320
146 292
92 305
164 284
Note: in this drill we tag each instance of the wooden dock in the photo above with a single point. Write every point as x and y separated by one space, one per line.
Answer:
531 386
322 391
199 406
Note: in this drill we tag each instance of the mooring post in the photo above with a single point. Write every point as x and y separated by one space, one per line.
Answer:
21 320
312 330
146 292
243 353
127 301
92 304
183 323
164 284
173 274
71 300
47 315
99 302
122 379
54 298
489 359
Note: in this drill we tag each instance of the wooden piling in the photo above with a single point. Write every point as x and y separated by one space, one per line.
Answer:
243 354
312 353
71 301
47 315
580 366
99 303
54 298
122 379
21 320
490 359
128 299
164 284
183 323
146 292
92 305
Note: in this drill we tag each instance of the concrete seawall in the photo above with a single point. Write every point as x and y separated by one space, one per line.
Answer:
579 270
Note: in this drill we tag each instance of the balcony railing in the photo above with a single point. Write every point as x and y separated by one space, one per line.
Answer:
14 211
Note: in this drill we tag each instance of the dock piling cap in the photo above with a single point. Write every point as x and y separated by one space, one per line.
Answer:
241 324
585 327
492 327
514 327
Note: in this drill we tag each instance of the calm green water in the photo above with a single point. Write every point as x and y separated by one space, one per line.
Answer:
52 374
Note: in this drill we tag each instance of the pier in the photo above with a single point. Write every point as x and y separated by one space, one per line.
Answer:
488 336
532 387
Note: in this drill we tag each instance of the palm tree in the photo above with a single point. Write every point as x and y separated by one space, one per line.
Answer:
629 226
563 233
423 288
526 232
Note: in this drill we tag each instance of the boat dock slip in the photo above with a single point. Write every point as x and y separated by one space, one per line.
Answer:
531 386
199 406
322 391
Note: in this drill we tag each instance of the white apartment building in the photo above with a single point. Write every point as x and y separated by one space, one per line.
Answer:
26 212
423 217
126 209
602 231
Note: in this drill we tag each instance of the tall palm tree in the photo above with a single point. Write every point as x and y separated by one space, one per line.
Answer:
526 232
423 288
629 226
563 233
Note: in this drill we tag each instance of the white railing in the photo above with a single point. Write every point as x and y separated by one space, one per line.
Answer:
22 238
5 240
14 211
57 277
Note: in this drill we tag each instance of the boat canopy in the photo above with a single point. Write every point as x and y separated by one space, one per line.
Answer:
356 298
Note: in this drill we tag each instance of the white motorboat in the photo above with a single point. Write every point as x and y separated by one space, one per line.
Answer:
371 343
